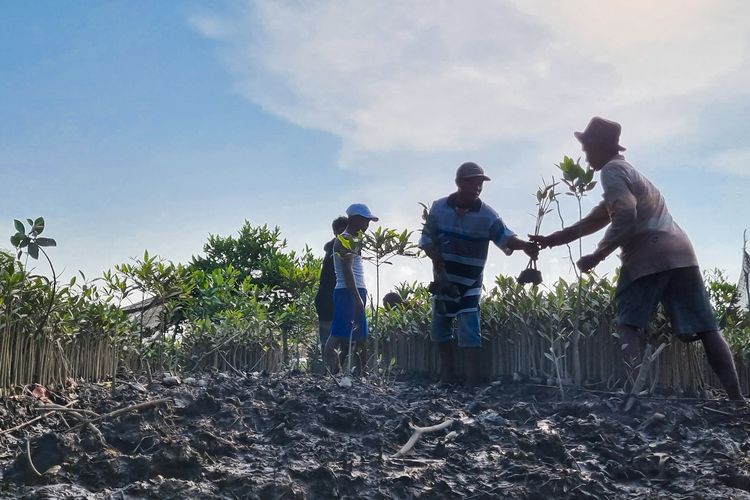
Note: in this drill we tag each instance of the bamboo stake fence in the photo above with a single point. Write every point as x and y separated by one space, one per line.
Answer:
26 359
681 367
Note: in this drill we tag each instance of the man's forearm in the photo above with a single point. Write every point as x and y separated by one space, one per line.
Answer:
596 220
515 243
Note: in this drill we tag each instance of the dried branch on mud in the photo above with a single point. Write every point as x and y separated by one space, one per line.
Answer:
33 420
131 408
418 431
31 463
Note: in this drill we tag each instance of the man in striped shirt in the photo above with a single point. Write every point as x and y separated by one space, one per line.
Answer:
461 227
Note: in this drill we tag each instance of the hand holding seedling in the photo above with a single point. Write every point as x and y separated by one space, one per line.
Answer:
531 249
542 241
587 263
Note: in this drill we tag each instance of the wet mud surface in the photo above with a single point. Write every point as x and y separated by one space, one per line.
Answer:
295 436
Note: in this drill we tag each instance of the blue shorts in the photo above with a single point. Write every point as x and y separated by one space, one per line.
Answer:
344 321
681 292
469 334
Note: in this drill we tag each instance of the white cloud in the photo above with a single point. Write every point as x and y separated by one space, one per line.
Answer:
456 76
412 89
731 161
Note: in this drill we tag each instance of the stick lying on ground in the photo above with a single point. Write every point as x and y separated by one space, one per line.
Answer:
33 420
418 431
78 414
31 463
128 409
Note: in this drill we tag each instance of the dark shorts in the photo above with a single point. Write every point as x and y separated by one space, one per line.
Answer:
681 292
344 322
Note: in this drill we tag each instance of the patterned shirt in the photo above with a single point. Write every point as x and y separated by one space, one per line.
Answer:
463 238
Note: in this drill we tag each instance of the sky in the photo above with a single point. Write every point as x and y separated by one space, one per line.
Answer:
140 125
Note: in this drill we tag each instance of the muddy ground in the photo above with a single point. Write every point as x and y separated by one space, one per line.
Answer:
290 436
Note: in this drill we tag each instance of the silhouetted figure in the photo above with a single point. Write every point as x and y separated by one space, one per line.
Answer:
658 261
391 300
324 297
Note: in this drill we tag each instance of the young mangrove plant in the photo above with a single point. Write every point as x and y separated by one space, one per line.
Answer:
579 181
545 195
32 244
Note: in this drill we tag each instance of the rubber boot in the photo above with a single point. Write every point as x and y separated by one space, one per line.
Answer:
447 376
471 367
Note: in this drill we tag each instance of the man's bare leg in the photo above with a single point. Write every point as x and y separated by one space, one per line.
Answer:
720 358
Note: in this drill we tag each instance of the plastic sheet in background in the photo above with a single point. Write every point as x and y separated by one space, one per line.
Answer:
743 286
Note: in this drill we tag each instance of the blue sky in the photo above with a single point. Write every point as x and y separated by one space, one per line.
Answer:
148 125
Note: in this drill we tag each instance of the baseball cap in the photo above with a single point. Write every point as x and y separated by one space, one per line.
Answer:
361 210
469 170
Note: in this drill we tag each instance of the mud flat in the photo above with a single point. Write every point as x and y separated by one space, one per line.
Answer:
295 436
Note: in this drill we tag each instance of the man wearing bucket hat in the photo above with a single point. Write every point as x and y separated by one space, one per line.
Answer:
658 261
349 326
456 237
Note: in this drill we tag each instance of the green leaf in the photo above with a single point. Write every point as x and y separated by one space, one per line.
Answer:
39 225
33 250
16 239
19 226
46 242
345 241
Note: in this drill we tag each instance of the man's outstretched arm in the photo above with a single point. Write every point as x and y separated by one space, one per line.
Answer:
597 219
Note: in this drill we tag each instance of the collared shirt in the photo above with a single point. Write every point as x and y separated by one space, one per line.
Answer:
639 224
463 237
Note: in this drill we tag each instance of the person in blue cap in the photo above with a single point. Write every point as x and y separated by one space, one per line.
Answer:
350 293
326 284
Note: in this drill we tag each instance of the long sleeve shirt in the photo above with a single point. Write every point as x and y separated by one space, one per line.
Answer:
639 224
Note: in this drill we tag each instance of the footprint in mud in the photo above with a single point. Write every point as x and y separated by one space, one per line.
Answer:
176 459
46 451
104 470
205 404
344 418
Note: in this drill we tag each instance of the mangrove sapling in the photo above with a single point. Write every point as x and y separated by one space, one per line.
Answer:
33 244
579 181
649 356
545 195
379 247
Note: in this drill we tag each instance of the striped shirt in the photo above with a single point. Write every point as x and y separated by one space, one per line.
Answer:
463 239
